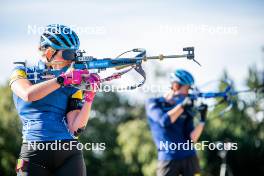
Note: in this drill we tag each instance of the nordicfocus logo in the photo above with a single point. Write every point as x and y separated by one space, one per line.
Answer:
190 145
33 29
59 145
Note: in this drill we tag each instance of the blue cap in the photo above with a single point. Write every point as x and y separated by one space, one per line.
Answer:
182 77
59 37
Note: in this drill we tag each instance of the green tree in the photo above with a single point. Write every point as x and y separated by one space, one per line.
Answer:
238 125
10 136
137 147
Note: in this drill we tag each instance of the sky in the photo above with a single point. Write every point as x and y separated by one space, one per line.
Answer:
227 35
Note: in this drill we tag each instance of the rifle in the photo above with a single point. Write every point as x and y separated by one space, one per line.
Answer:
227 96
119 63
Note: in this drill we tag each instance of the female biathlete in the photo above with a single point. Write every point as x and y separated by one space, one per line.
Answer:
52 113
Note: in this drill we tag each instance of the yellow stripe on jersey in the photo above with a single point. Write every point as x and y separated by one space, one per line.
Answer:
17 74
78 94
20 164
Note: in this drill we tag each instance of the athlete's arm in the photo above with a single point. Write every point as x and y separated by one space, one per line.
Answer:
179 109
196 133
23 88
175 113
154 112
78 119
28 92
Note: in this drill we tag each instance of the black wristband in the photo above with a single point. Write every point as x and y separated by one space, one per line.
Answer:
202 118
60 80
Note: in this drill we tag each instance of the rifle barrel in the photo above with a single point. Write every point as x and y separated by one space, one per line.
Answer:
160 57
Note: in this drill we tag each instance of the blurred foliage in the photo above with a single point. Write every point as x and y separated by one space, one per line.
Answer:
239 126
10 136
110 111
129 146
137 147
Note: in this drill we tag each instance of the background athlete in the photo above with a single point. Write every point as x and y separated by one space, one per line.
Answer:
49 109
171 121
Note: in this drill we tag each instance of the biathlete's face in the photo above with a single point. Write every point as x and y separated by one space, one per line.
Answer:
180 89
55 57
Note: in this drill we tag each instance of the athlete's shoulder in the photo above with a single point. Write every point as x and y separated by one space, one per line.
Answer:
155 99
19 71
154 102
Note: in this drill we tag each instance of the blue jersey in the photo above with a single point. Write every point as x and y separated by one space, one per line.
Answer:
44 119
167 135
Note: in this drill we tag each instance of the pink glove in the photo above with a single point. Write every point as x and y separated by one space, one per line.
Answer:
72 76
94 82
